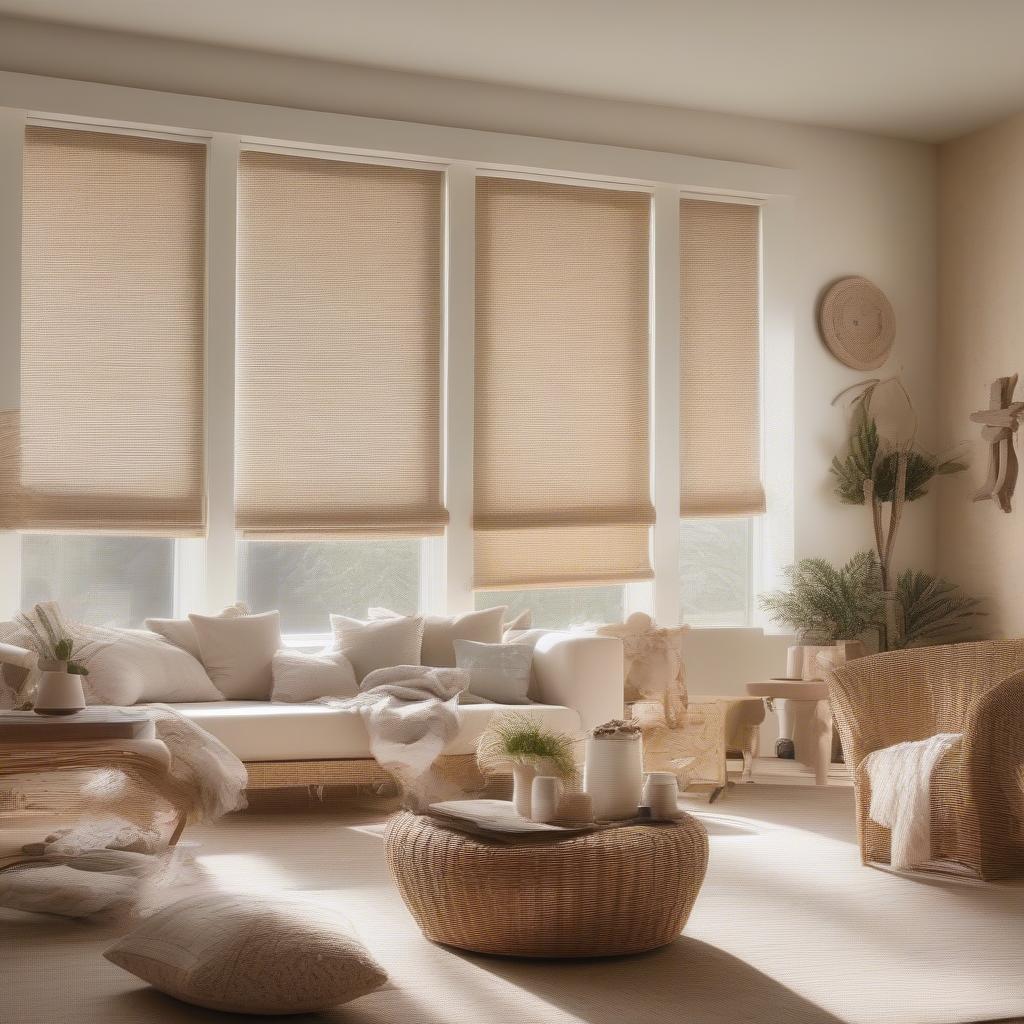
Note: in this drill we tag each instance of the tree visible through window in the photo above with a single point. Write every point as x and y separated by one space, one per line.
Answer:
307 581
715 571
559 607
105 581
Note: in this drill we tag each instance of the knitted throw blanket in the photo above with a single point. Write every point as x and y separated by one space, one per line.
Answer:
901 777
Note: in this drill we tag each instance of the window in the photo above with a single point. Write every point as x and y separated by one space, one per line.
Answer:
106 581
715 567
560 607
307 581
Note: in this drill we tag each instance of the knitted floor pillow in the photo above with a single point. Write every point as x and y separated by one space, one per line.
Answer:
250 954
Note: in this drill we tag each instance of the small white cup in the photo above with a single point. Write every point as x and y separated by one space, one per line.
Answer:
661 794
545 796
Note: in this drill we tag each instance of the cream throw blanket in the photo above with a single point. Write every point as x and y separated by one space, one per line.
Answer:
411 713
901 777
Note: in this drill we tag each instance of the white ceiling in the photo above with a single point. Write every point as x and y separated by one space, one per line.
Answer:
924 69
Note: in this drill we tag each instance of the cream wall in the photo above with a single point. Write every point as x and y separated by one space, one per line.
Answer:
981 309
866 205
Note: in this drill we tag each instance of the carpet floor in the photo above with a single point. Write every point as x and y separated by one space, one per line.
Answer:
789 927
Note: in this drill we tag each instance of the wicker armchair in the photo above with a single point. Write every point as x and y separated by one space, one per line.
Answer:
977 791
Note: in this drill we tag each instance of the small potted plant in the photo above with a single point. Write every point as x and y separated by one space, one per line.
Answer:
62 661
518 741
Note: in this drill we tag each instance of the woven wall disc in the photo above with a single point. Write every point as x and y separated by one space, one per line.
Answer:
857 323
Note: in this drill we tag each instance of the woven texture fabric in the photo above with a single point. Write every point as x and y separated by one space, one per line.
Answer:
977 789
623 890
250 953
719 359
339 349
561 473
112 334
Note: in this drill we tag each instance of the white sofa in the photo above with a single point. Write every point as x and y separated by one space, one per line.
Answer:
577 684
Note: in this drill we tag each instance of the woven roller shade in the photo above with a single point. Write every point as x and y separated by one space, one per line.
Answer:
720 359
339 349
562 493
112 334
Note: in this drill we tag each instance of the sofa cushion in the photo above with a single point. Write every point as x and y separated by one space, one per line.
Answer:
440 632
182 633
239 652
379 643
261 731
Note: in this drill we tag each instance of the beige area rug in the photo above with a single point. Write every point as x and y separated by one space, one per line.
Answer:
789 928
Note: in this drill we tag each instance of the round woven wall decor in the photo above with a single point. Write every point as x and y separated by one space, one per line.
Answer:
857 323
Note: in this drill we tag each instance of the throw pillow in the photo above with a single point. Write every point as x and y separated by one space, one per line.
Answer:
524 620
138 667
379 643
300 677
245 953
497 672
440 631
182 633
239 653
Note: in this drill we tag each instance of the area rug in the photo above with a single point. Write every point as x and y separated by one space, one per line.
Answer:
789 928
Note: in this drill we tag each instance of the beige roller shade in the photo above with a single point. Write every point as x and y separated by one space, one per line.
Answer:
720 359
339 349
561 472
112 334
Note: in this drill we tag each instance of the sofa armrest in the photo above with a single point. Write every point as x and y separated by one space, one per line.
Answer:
581 672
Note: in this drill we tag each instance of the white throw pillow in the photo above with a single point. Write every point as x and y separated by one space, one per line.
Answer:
138 667
497 672
300 677
247 953
440 631
379 643
182 633
524 620
239 653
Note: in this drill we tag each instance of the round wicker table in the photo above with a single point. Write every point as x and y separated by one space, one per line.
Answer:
606 893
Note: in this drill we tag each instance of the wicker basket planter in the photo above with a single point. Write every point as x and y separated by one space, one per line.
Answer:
608 893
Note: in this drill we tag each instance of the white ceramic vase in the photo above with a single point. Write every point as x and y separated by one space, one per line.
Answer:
522 781
613 776
59 693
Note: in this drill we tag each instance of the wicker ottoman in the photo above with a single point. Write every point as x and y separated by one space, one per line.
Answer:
622 890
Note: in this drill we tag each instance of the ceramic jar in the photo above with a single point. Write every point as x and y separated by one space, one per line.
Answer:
613 775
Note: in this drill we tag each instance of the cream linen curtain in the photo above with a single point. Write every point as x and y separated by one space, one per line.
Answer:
111 420
719 410
561 472
339 349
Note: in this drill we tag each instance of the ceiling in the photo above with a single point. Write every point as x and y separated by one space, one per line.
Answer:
922 69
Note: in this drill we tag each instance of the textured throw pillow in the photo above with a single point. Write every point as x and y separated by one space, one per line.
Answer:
252 954
300 677
379 643
497 672
182 633
138 667
440 631
239 653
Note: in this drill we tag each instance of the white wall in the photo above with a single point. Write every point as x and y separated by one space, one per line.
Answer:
866 205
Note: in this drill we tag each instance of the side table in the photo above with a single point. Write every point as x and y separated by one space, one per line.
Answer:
806 715
90 740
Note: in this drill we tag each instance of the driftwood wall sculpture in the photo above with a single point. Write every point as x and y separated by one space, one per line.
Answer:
999 423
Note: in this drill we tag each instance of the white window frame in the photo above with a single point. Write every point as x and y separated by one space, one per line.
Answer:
206 571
